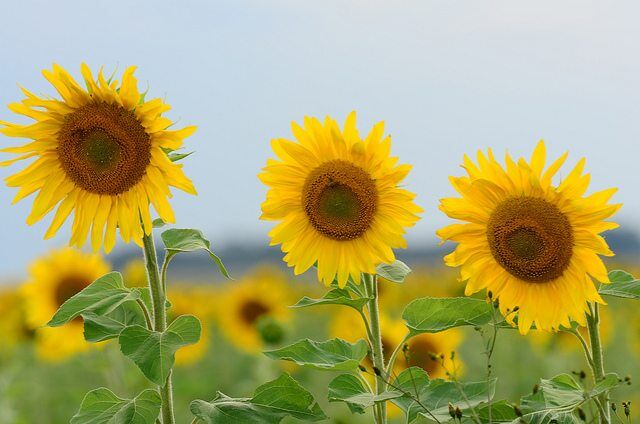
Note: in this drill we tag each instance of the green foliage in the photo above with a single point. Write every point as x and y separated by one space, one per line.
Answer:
501 412
349 389
332 355
334 297
100 298
158 223
101 406
432 315
558 397
270 404
98 328
176 157
395 272
622 285
424 396
177 240
154 352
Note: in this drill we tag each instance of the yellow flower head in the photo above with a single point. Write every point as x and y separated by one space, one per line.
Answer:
347 324
337 199
13 327
99 152
264 295
53 279
532 243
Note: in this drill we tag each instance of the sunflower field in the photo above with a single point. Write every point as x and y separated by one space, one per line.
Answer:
525 312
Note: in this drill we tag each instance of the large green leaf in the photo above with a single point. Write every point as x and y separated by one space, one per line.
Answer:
101 406
435 395
622 284
98 328
333 355
558 398
177 240
334 297
154 352
347 388
432 315
395 272
100 297
501 412
270 404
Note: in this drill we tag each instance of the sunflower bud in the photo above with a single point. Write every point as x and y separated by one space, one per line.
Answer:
270 330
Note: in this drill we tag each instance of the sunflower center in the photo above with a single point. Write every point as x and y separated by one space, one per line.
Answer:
531 239
69 287
252 310
340 200
103 148
420 354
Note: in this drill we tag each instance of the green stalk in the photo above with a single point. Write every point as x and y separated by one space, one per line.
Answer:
597 355
371 286
159 302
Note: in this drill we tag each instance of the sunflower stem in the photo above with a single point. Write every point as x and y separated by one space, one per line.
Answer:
159 302
597 355
371 286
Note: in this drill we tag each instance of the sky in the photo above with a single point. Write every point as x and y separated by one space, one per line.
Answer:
447 77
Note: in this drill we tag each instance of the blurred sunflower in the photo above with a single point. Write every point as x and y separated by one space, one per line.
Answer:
13 327
337 199
254 310
186 300
533 244
101 153
53 279
347 325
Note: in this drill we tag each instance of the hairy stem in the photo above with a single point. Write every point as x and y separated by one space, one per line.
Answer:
597 355
371 287
158 301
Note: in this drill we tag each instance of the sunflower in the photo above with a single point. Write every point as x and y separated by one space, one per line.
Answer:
347 325
261 298
53 279
12 325
101 153
532 243
337 199
189 300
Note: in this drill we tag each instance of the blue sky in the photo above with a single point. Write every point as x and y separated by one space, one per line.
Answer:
447 77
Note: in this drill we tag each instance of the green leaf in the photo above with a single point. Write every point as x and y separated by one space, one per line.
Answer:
395 272
101 406
100 297
347 388
270 404
334 297
98 328
432 315
175 157
549 417
154 352
622 285
411 381
177 240
158 223
609 381
558 397
436 394
501 412
333 355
